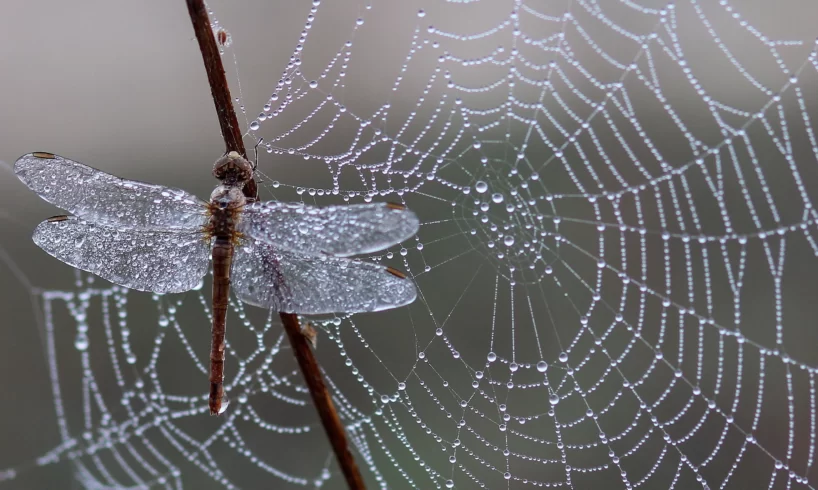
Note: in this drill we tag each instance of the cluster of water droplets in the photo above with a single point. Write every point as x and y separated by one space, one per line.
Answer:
606 221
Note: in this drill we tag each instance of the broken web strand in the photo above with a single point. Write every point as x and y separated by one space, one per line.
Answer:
682 234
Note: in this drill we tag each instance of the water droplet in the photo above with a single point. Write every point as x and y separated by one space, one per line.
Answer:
401 386
130 358
422 13
554 399
491 357
254 126
563 357
542 366
508 240
81 341
225 404
481 186
497 197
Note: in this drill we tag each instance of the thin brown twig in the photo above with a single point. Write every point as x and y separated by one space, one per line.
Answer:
299 343
323 403
231 132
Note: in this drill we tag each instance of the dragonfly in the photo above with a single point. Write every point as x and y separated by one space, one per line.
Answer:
285 256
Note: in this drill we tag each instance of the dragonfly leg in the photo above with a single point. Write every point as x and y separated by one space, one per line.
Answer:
255 151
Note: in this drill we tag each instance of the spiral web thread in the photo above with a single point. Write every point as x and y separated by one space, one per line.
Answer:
614 266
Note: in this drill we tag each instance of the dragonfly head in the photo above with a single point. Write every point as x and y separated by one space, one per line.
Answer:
233 169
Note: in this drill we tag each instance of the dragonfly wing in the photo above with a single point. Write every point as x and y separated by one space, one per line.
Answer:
157 261
103 198
291 282
335 230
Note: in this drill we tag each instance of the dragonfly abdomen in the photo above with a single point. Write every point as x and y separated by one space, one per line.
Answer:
222 260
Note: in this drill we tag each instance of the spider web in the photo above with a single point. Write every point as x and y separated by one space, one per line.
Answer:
615 265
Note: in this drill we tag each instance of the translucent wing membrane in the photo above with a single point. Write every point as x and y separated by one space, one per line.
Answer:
104 198
157 261
314 284
336 230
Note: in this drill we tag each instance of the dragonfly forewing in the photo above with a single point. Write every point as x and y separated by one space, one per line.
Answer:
292 282
157 261
336 230
104 198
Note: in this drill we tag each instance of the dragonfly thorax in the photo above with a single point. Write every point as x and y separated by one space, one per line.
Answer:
233 169
226 204
227 197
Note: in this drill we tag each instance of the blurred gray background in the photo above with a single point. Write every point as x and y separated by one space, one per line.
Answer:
120 86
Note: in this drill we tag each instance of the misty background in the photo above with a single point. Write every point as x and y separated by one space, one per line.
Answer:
120 86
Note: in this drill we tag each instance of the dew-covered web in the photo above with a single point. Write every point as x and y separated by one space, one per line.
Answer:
615 265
